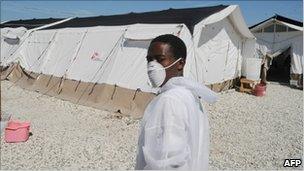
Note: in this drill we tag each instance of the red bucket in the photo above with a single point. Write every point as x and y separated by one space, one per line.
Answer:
17 131
260 90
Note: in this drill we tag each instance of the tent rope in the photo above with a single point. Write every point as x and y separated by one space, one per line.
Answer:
195 57
49 81
60 85
44 51
59 89
11 70
101 66
30 76
48 89
92 88
226 58
112 96
21 44
120 42
77 85
137 90
77 52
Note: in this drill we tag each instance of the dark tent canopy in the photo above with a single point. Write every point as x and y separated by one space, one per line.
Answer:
188 16
29 24
281 18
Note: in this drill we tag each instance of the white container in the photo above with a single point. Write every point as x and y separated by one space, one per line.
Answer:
294 82
253 68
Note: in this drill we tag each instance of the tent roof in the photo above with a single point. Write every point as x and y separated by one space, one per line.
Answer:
280 18
29 24
188 16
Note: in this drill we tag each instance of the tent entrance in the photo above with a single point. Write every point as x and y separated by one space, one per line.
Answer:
279 67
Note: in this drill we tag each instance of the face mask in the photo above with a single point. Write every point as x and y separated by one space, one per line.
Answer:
157 73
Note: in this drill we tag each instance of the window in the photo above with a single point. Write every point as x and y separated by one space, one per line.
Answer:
269 28
258 31
281 28
291 29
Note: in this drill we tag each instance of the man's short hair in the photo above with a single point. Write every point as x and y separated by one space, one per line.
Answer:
178 47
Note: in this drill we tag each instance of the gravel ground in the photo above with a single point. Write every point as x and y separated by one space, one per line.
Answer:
247 132
250 132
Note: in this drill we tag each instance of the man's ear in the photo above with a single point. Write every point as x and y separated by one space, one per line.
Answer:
181 64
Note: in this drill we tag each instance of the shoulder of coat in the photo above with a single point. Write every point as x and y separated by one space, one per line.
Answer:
178 93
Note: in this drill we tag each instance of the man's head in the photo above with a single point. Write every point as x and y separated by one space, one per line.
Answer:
167 49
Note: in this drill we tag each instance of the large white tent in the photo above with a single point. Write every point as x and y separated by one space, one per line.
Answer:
14 33
10 40
277 34
100 61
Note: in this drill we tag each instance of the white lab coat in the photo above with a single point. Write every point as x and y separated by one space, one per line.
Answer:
174 131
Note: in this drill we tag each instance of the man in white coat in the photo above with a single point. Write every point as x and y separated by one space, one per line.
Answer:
174 131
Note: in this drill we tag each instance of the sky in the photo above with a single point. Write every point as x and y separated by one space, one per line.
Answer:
253 11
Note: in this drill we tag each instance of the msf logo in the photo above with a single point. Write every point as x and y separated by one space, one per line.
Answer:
292 162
